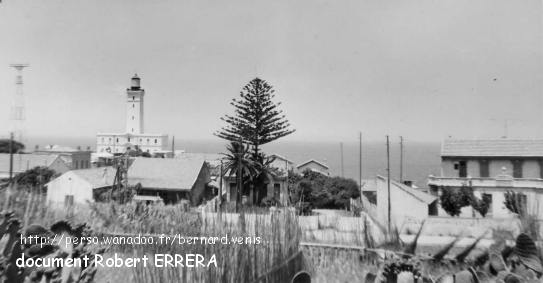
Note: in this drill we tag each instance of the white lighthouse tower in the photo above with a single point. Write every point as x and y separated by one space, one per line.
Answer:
134 137
134 107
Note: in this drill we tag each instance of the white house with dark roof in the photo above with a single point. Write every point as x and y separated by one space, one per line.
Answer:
492 167
315 166
173 179
23 162
78 186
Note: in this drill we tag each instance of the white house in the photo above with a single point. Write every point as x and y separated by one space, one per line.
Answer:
134 136
406 203
77 186
492 167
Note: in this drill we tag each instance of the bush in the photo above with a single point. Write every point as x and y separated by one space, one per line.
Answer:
322 191
452 200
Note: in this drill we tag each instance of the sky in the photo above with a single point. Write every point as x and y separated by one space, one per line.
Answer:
424 69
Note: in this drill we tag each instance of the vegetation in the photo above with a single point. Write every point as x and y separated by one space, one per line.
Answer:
322 191
454 199
16 146
275 258
515 202
36 177
256 122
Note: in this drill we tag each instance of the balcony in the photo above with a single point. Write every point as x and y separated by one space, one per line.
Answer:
501 181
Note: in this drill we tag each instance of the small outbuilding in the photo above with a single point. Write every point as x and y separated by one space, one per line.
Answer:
78 186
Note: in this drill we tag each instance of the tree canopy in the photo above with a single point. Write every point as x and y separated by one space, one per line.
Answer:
35 177
4 146
322 191
257 120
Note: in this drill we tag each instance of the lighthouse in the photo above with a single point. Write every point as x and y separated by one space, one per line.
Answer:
134 137
134 107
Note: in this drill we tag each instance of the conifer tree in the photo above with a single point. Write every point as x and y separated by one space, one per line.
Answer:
257 120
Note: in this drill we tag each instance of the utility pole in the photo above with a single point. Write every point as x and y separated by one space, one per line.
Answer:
341 149
10 157
388 182
220 187
173 146
238 175
360 163
287 197
401 159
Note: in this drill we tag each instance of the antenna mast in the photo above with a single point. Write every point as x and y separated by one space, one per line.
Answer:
18 115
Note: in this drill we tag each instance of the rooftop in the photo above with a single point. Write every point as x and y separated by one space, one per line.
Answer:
99 177
418 194
23 162
492 148
165 173
312 161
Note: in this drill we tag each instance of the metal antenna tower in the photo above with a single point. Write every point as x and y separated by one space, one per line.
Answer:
18 115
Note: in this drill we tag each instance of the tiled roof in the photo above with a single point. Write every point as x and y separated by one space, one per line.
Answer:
277 156
420 195
493 148
99 177
23 162
312 161
369 185
165 173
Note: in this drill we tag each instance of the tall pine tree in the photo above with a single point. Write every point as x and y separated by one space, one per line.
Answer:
257 120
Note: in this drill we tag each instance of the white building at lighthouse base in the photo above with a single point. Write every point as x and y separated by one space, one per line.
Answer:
120 142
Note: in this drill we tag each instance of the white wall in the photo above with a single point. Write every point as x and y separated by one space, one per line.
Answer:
403 205
69 184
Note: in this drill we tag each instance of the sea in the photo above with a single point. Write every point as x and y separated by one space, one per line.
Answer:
420 159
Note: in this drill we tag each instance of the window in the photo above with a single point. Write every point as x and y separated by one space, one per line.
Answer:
133 105
156 140
128 139
483 169
76 164
132 117
540 161
117 139
517 168
133 98
68 200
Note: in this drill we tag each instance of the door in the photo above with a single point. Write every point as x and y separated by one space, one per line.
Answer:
462 169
